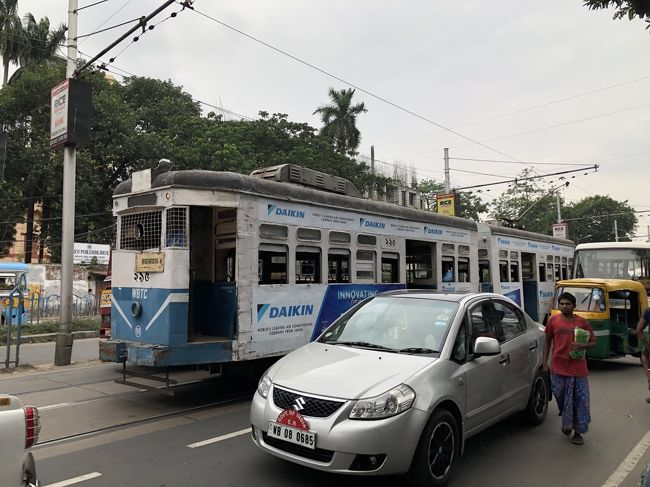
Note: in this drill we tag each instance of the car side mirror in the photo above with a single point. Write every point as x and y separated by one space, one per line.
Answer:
487 346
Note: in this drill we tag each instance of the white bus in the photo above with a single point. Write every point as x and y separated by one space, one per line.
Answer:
614 260
214 267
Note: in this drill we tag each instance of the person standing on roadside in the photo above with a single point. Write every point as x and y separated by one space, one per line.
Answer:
568 374
645 353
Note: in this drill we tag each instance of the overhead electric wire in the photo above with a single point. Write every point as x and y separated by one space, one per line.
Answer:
356 87
533 107
91 5
110 17
524 162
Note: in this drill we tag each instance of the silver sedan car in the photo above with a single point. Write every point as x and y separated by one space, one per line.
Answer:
398 383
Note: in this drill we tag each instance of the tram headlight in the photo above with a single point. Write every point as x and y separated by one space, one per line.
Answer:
264 386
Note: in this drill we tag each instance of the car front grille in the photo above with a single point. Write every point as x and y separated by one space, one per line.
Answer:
317 454
309 406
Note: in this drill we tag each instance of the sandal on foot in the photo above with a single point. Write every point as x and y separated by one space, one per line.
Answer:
568 431
577 439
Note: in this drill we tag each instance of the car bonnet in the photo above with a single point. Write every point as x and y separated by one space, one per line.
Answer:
345 372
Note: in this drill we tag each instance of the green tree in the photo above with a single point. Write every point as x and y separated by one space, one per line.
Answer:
624 8
592 220
12 37
41 42
527 204
340 120
471 205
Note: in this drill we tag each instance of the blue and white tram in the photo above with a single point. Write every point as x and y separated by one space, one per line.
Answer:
523 265
215 267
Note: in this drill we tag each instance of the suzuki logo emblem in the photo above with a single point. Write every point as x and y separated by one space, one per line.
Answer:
299 404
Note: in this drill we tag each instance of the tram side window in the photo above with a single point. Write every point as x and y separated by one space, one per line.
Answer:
272 264
307 265
338 265
366 265
514 271
484 271
542 271
176 227
448 269
503 270
565 272
389 267
463 269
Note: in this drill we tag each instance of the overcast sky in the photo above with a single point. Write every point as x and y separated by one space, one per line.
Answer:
541 82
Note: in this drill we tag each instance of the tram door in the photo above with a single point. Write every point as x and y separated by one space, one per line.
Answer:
530 285
420 264
213 295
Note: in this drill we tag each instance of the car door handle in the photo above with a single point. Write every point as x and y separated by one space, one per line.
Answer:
533 346
504 359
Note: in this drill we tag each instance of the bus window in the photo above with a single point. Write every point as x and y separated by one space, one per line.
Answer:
484 271
463 269
389 267
503 270
272 264
448 269
514 271
366 265
307 265
338 265
542 271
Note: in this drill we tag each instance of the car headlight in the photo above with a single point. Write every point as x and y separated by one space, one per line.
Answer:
264 385
384 405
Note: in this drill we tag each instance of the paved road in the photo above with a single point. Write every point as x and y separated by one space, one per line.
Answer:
43 353
156 452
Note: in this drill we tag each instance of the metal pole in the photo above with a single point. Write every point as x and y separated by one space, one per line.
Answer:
615 230
372 171
446 157
63 351
557 202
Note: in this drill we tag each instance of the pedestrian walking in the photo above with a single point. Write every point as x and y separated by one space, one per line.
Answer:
645 353
569 336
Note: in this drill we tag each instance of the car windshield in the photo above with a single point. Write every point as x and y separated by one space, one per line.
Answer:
396 323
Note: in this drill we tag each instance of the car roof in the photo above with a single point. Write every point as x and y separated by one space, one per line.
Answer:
439 296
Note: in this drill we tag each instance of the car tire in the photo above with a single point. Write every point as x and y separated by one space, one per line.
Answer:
537 406
436 453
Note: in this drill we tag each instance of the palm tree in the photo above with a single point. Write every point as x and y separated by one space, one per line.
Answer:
340 120
42 43
12 38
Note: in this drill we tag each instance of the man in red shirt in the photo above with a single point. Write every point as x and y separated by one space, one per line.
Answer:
568 374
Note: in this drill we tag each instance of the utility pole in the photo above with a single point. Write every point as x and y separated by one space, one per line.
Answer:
63 351
372 170
559 212
446 157
615 230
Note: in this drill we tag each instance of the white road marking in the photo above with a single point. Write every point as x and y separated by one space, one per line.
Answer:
78 403
76 480
627 465
219 438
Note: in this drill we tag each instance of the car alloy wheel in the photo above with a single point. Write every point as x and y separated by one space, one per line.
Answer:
537 407
436 453
441 450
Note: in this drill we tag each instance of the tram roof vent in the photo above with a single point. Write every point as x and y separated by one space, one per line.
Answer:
293 173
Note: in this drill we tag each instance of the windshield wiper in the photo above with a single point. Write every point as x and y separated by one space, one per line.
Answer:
416 350
374 346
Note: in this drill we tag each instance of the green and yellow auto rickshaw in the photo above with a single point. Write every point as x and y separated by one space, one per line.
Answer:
613 308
